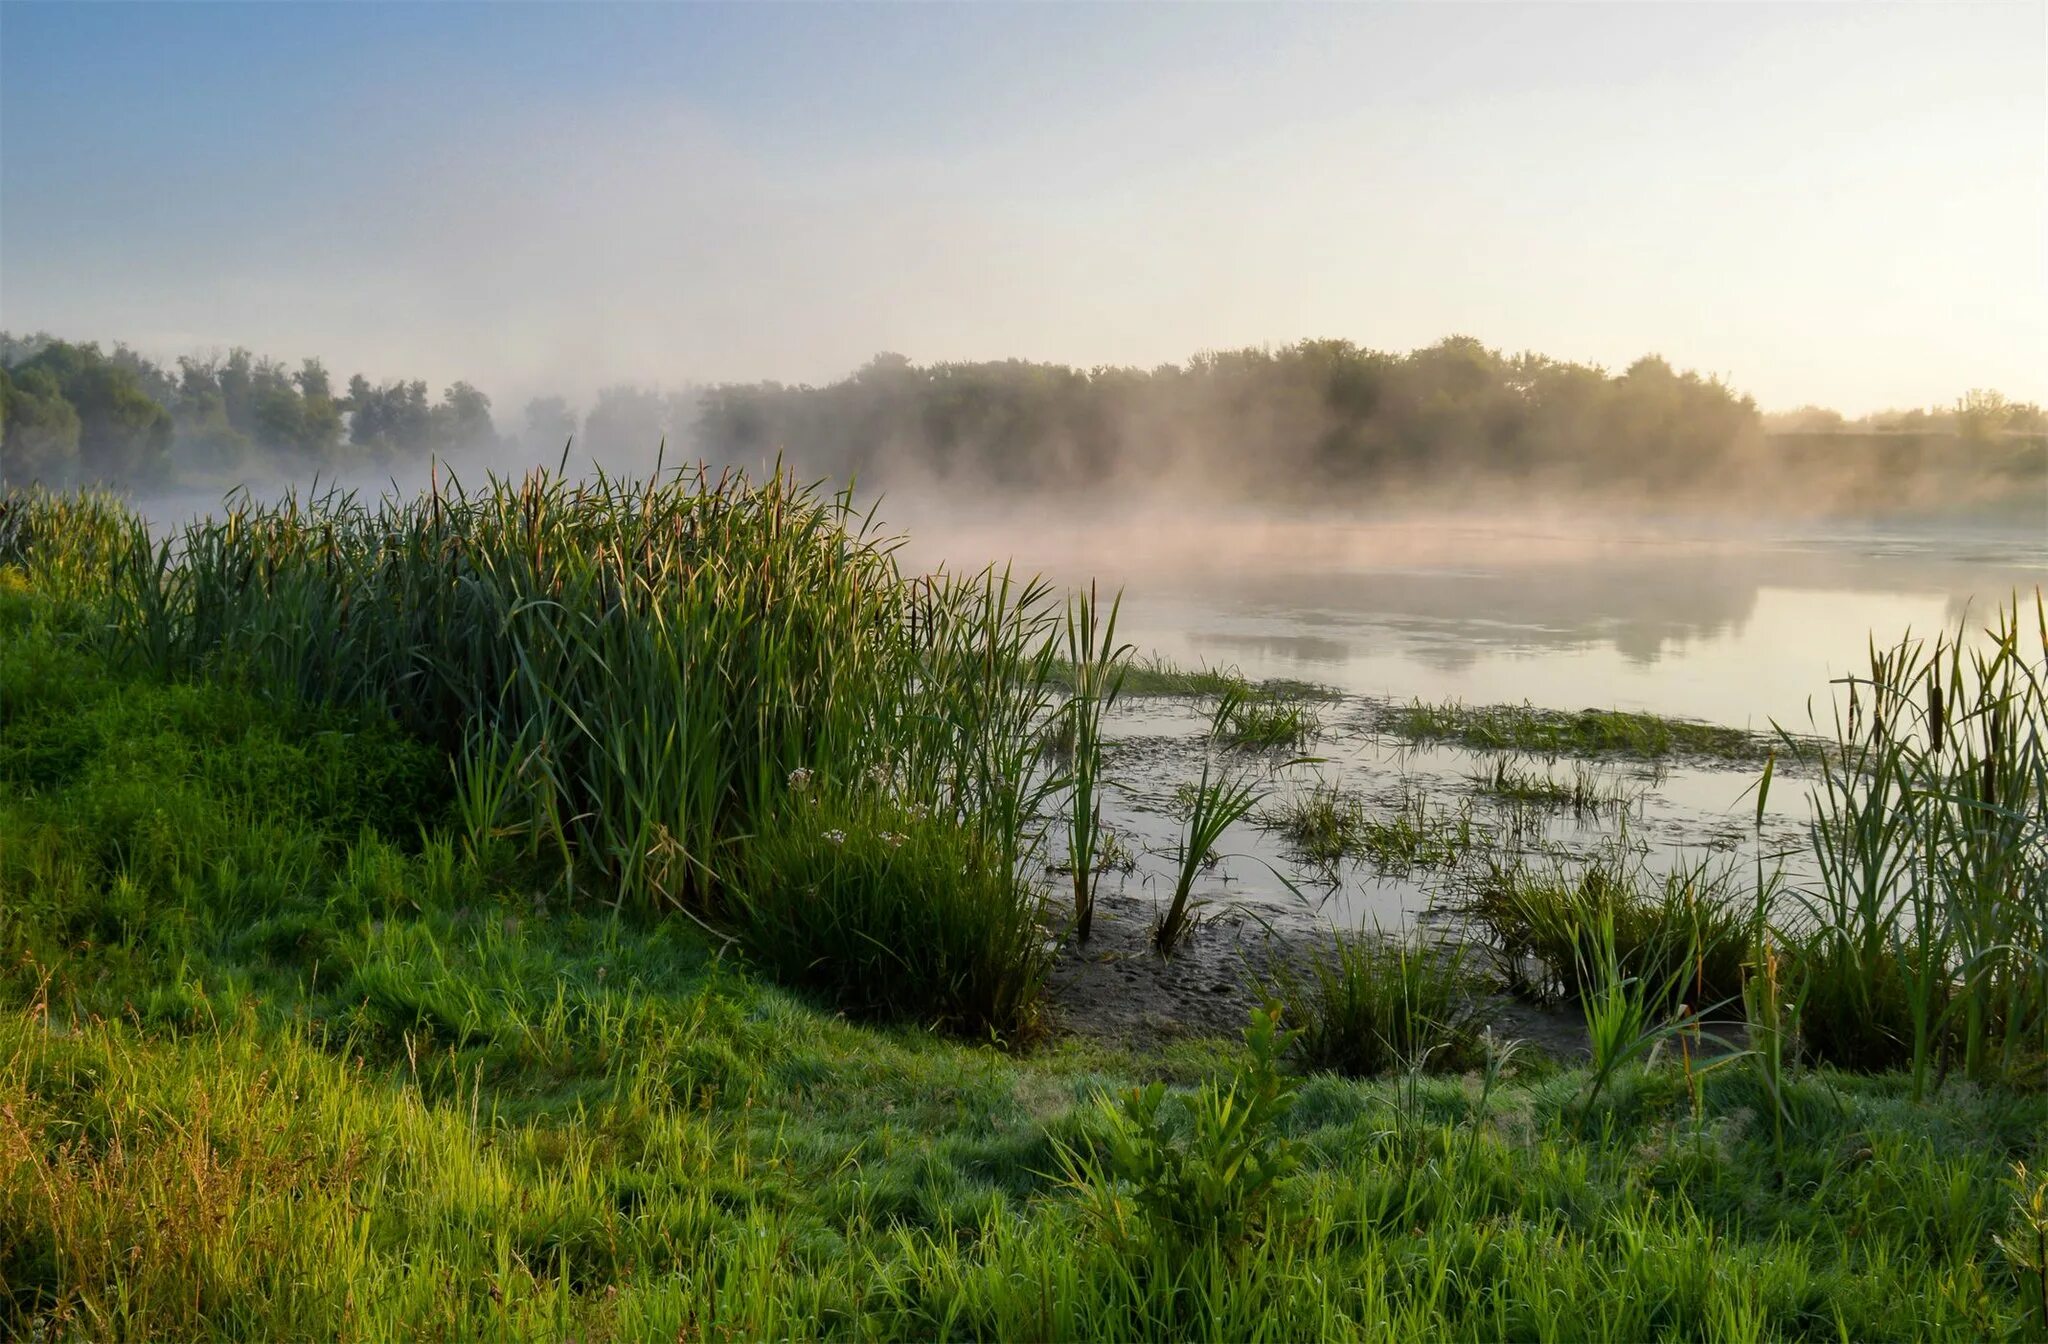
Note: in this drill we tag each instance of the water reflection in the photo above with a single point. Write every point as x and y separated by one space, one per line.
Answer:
1743 628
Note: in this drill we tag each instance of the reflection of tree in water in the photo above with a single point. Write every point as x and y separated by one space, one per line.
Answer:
1450 619
1643 604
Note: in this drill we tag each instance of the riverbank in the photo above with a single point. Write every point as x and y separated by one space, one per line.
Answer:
276 1061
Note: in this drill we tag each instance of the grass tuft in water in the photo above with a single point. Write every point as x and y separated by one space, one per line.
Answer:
1256 721
1586 794
1686 932
1325 824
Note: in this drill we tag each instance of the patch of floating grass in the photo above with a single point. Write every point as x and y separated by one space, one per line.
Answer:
1160 677
1256 721
1324 824
1586 793
1557 732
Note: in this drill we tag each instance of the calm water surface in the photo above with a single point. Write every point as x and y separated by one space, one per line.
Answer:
1742 627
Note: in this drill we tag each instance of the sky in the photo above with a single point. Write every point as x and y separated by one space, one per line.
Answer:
1841 204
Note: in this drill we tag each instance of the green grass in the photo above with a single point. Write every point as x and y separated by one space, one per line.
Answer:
1588 732
1687 931
291 1048
1366 1004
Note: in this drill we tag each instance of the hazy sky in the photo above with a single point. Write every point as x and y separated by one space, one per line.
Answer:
1837 203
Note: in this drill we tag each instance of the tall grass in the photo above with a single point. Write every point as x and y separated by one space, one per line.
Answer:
1925 941
1367 1004
628 676
1686 932
1097 664
1214 805
67 541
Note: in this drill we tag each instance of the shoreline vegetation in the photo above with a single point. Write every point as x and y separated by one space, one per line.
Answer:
1323 422
609 910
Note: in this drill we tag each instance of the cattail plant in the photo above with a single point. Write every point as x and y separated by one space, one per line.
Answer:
1098 664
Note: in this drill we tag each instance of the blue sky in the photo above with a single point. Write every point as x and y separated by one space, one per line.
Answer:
1843 204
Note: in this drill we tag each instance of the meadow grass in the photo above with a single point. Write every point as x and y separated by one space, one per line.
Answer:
315 1023
1586 732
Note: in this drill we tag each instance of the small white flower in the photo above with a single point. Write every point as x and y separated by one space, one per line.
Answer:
835 837
799 780
892 839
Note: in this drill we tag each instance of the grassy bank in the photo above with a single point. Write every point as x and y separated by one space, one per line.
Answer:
300 1036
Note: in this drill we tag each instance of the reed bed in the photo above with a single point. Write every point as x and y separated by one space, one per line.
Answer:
653 683
1925 942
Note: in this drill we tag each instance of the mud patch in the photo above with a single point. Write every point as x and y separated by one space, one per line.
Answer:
1117 990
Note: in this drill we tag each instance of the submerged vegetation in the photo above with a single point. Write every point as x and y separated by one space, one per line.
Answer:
444 919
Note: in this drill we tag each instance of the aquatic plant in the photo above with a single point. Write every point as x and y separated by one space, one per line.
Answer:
1218 802
1687 930
1587 793
1096 663
1254 720
1553 732
1925 940
1325 823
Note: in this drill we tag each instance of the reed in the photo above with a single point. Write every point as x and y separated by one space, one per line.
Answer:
1097 666
1218 802
627 676
1924 942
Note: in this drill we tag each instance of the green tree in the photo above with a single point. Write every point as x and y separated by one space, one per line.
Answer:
124 437
38 430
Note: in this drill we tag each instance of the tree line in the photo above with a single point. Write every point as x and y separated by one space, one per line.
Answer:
1324 421
1303 420
74 414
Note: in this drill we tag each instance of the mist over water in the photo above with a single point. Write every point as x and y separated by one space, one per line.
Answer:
1687 615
